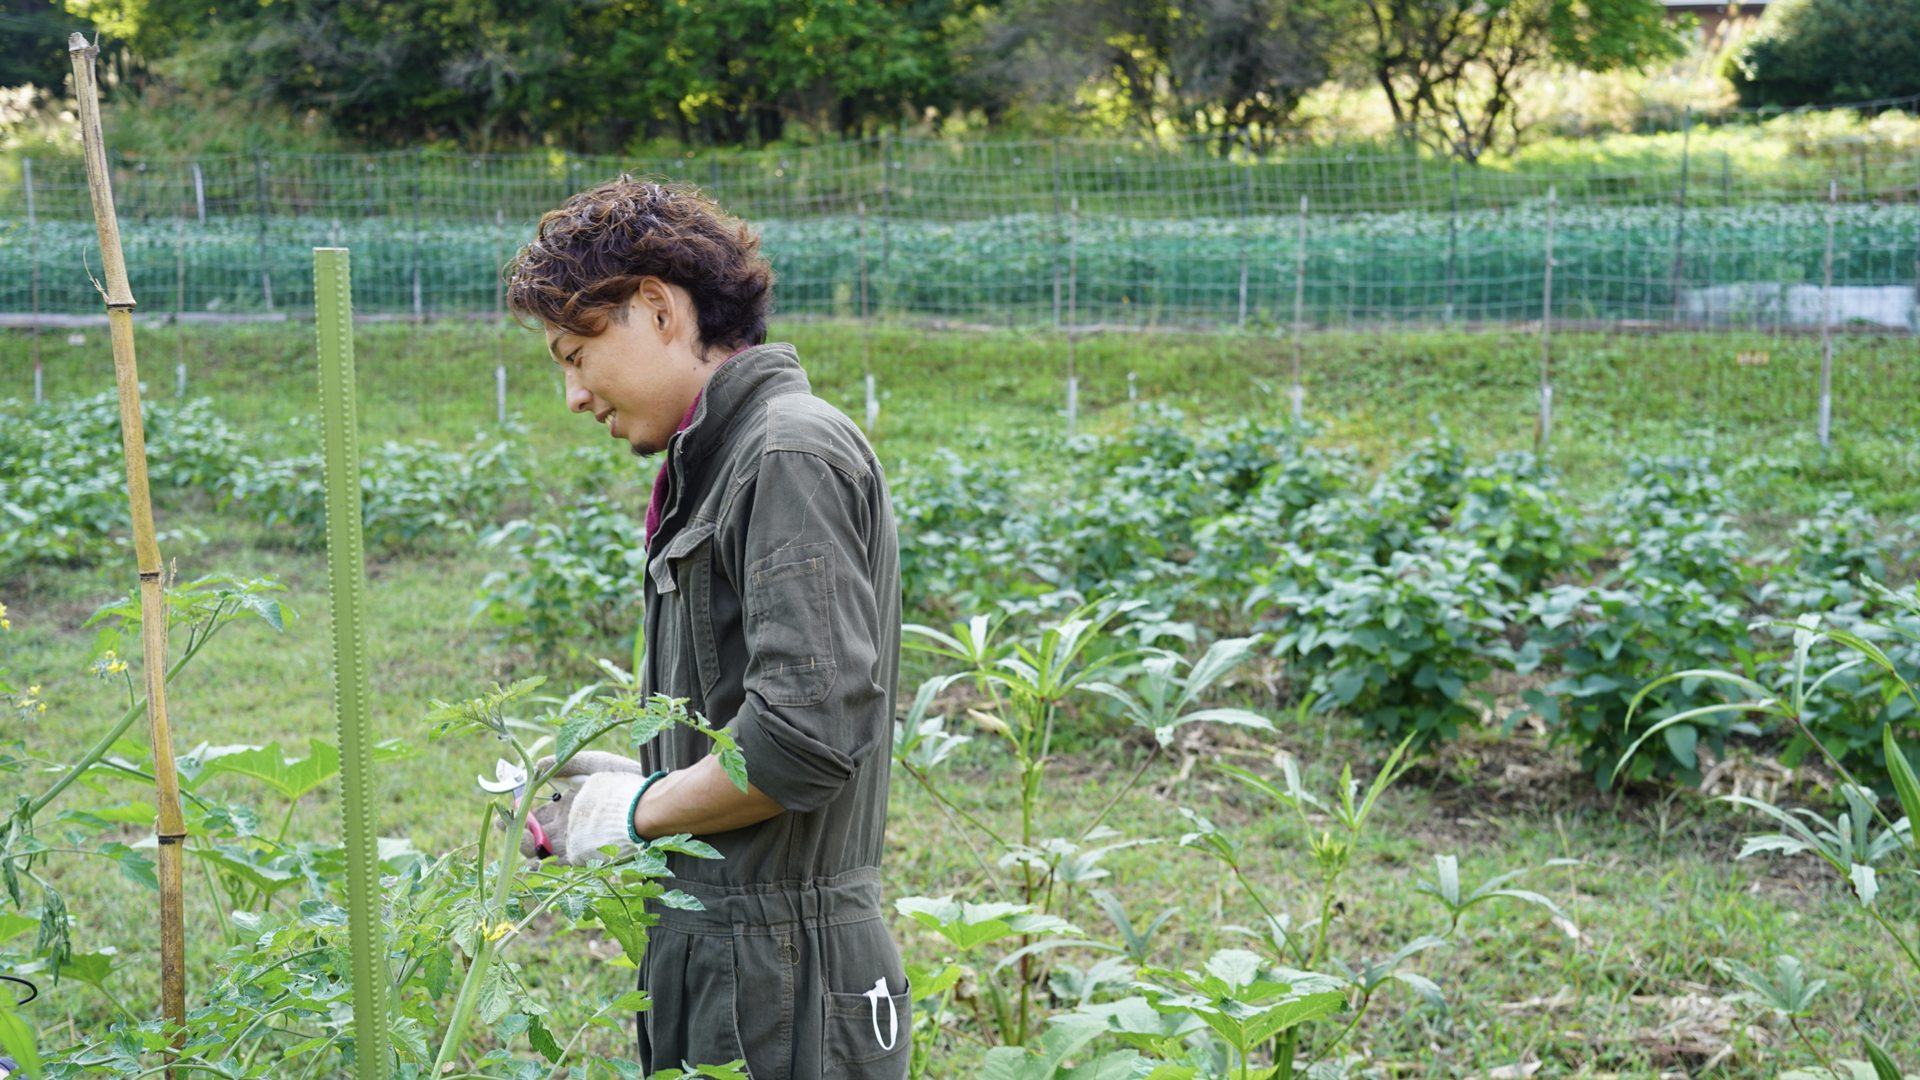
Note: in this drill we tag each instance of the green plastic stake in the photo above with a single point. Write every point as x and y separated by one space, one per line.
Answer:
346 592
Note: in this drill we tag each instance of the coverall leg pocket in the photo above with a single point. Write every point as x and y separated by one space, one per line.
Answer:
698 1016
763 1012
868 1035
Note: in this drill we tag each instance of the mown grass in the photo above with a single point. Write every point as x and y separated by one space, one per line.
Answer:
1664 895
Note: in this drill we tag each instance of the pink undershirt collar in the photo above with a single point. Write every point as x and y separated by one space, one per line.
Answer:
657 503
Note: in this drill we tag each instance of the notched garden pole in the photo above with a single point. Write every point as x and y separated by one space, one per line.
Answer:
169 827
346 596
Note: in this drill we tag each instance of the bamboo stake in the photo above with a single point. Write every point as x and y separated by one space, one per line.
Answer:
169 827
346 593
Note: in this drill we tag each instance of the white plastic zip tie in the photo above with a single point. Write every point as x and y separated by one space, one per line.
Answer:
874 997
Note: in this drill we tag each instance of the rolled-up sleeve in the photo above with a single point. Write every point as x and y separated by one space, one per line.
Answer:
814 707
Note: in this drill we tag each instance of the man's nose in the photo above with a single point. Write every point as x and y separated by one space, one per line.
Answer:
579 399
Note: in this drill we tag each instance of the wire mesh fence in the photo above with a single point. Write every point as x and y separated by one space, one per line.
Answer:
1196 234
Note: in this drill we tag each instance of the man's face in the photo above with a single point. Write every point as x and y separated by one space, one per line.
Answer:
642 373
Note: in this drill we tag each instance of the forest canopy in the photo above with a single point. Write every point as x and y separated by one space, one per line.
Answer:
606 75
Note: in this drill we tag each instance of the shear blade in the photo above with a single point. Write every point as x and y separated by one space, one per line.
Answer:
506 777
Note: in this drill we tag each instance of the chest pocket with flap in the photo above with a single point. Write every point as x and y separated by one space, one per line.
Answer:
686 568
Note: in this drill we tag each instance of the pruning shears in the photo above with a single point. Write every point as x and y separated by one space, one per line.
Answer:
510 777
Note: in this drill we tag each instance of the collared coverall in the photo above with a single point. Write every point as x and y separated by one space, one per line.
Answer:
773 607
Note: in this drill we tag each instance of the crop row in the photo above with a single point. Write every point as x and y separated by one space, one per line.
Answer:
1393 599
1610 262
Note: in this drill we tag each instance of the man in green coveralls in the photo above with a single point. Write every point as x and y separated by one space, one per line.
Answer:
772 589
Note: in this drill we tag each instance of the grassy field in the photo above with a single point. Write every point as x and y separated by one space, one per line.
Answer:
1626 989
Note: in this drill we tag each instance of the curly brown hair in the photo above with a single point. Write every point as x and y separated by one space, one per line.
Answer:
591 253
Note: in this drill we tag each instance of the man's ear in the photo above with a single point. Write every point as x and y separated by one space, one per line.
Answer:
653 303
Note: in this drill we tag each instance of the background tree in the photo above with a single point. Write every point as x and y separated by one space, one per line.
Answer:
33 43
1450 68
1819 52
1215 66
500 74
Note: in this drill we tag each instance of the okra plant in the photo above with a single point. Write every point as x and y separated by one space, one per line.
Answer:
1862 845
1239 1004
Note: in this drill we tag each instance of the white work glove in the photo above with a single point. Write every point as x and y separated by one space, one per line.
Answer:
597 792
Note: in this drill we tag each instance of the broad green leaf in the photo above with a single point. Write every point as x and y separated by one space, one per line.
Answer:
91 968
12 926
247 865
734 763
580 728
542 1040
435 970
291 779
925 982
134 866
1237 968
495 996
408 1039
1116 1065
970 925
1292 1013
1682 741
1066 1038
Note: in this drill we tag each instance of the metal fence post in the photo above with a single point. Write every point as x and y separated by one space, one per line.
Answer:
1544 429
499 317
1826 327
200 192
866 325
419 308
260 208
886 208
1453 239
1680 222
1073 297
33 259
1246 196
1058 235
179 306
1299 392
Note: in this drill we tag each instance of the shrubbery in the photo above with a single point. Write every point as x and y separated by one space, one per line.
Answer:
63 481
1822 52
1393 599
